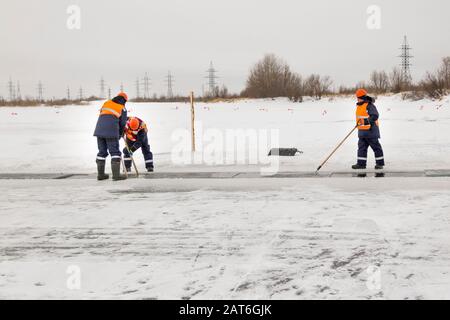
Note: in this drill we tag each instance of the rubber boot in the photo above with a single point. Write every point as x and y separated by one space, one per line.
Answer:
150 169
115 168
101 170
359 167
381 174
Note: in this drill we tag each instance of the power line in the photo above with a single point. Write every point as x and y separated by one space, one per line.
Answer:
11 90
212 78
169 80
102 88
405 64
40 89
18 93
146 85
138 92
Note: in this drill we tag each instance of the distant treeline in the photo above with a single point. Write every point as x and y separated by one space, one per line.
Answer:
434 85
29 102
272 77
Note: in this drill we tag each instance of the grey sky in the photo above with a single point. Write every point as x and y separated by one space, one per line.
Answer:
121 40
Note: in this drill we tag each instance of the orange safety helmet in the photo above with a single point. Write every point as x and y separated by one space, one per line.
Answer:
133 124
361 93
124 95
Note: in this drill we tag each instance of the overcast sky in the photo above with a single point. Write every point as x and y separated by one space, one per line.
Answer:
121 40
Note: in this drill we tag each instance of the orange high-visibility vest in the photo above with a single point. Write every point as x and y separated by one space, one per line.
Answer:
132 134
110 107
361 115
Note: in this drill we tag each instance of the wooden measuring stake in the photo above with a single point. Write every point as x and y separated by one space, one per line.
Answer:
192 122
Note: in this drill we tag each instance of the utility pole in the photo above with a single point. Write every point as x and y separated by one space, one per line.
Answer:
405 64
102 88
169 81
212 79
40 89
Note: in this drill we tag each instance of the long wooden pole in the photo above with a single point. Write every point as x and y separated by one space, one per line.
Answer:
335 149
132 159
124 169
192 122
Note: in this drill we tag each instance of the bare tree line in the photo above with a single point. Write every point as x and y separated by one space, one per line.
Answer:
434 85
272 77
437 84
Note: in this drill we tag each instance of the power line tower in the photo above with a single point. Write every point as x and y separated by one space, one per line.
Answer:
68 93
109 93
40 89
11 90
169 80
18 93
138 92
121 87
405 64
102 88
212 79
146 85
80 94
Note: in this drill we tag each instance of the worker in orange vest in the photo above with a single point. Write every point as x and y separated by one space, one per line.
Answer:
109 129
368 131
136 137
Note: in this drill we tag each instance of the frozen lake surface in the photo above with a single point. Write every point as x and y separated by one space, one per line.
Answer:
226 239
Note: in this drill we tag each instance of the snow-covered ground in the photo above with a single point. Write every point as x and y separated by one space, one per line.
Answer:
256 238
414 134
226 239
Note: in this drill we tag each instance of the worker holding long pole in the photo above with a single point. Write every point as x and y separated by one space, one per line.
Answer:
136 138
368 132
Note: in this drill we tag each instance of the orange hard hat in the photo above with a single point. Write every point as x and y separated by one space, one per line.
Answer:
133 123
124 95
361 93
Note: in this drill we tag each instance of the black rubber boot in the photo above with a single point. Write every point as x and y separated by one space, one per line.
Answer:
101 170
150 169
359 167
128 169
380 174
115 168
